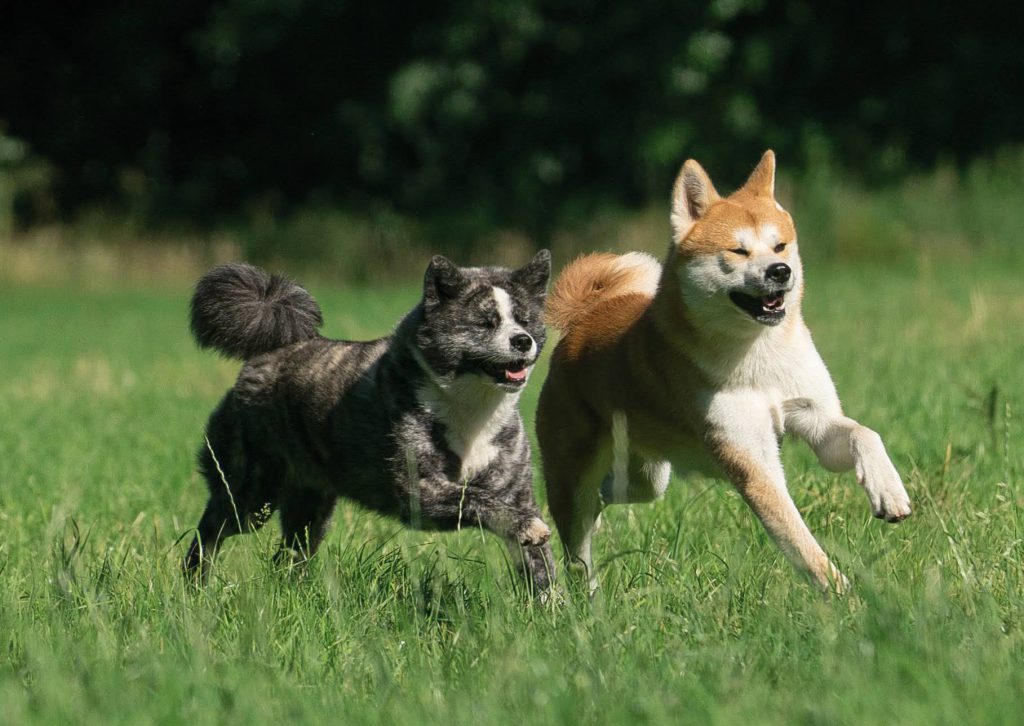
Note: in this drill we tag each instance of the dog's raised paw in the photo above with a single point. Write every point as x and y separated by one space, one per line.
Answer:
894 509
885 490
892 502
534 533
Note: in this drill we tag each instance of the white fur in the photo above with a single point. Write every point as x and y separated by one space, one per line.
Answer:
800 392
841 444
473 411
780 373
635 475
759 381
657 473
750 419
648 267
783 377
471 407
752 425
508 326
757 241
706 280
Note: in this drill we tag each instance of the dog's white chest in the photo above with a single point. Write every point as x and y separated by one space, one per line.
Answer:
473 415
476 452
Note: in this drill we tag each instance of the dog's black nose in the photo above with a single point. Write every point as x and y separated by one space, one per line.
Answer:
778 272
521 342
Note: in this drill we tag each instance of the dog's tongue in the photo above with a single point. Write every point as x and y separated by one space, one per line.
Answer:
772 302
516 375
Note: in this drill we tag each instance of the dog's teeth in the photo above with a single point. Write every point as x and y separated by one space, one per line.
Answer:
773 303
515 375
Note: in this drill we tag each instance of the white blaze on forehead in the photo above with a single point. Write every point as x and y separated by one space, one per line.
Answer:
745 237
504 303
508 326
767 236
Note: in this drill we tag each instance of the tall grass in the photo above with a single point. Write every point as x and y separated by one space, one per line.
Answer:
699 618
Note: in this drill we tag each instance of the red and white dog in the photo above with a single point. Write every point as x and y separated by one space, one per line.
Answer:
699 365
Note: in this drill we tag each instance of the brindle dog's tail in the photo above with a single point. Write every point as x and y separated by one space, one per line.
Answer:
241 311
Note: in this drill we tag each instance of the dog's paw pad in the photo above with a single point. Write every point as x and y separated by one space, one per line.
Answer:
534 533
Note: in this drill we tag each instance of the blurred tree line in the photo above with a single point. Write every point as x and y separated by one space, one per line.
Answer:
521 113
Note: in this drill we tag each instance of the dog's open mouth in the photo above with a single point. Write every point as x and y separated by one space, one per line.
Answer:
512 374
767 309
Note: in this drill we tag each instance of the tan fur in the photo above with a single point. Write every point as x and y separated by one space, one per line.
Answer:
587 282
779 515
696 382
536 533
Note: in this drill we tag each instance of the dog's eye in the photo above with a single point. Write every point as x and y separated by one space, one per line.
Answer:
489 321
780 246
741 252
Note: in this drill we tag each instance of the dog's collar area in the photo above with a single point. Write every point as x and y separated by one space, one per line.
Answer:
769 309
421 360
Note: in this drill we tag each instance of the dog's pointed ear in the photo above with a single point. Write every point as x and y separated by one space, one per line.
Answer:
534 275
762 179
442 281
692 194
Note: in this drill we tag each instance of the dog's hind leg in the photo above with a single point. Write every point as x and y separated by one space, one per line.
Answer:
305 517
639 481
243 492
573 479
575 458
220 520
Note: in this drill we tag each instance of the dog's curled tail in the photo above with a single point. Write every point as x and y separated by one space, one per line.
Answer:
241 311
598 277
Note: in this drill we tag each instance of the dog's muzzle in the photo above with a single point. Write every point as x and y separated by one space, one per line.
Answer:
510 375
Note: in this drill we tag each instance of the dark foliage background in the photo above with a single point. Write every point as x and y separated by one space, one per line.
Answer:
523 113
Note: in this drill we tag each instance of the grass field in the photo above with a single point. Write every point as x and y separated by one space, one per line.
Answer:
700 619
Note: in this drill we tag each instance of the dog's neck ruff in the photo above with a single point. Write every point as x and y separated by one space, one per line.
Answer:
468 392
727 356
472 410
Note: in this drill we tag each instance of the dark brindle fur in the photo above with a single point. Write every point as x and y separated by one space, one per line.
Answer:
421 426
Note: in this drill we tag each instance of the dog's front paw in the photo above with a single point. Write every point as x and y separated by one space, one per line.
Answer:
885 490
534 532
894 507
839 584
